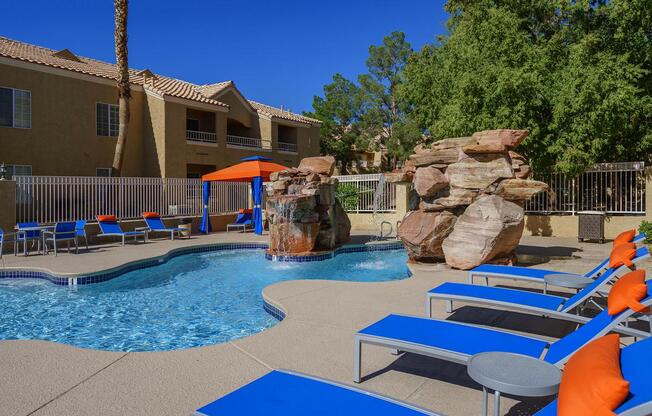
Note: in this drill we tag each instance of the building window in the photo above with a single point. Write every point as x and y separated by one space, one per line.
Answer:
103 172
15 108
19 170
107 119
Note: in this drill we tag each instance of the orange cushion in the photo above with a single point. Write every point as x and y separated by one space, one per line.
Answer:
107 218
628 291
624 237
622 255
246 211
592 383
149 214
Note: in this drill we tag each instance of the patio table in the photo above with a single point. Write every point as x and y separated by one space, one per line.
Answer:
567 280
517 374
20 230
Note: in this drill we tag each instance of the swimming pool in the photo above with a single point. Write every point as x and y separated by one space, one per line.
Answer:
191 300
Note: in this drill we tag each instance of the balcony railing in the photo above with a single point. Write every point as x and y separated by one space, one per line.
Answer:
201 136
246 141
287 147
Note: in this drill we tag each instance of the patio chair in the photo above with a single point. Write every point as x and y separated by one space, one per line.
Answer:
63 231
27 236
530 274
458 342
80 231
111 228
283 392
155 224
526 301
244 219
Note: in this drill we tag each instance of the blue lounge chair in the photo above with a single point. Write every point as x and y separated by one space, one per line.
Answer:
63 231
111 228
2 241
283 392
457 342
155 224
486 271
27 236
636 367
288 393
525 301
244 219
80 231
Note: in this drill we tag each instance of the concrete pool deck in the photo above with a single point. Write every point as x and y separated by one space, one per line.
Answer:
316 337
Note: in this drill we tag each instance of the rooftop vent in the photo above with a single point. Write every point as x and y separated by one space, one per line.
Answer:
66 54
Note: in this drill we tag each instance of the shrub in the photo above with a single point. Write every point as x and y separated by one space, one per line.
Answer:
348 196
646 227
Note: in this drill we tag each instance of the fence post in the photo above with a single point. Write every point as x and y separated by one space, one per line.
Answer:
8 205
402 198
648 193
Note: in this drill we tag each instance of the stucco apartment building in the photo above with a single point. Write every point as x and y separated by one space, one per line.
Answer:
59 116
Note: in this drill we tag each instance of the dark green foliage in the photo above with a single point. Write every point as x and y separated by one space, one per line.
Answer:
646 227
348 196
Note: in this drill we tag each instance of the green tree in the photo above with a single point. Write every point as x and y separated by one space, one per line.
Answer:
341 111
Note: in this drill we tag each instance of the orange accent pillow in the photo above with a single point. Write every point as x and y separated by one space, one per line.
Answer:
628 291
107 218
622 255
592 383
624 237
149 214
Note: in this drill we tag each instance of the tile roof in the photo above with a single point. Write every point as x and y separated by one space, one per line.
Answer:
161 85
280 113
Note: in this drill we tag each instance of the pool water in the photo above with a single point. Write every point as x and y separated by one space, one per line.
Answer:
192 300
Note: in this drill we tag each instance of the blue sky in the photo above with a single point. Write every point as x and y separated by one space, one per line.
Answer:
277 52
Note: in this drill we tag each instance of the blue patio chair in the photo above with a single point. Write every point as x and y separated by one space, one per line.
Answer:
530 274
283 392
155 224
288 393
244 219
63 231
111 228
27 236
636 367
525 301
458 342
80 231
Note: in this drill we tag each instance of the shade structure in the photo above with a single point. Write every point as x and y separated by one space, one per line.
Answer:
245 171
254 169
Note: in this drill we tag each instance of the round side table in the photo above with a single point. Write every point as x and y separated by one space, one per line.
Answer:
520 375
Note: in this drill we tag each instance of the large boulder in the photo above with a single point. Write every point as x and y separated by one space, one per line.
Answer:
436 157
505 137
520 190
453 142
422 233
428 181
323 165
290 237
471 174
395 177
489 229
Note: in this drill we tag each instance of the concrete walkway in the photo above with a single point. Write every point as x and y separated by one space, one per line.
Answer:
46 378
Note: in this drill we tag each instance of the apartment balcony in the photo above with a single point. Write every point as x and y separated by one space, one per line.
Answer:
248 142
201 137
284 146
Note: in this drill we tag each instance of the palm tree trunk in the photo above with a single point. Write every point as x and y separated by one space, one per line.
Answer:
124 92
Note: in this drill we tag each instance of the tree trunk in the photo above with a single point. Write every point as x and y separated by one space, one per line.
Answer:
124 91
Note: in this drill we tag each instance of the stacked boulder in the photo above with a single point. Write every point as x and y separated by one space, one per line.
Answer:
471 192
302 211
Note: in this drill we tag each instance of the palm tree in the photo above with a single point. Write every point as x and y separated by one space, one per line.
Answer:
124 92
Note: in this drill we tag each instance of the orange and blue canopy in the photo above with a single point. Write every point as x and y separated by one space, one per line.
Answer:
245 171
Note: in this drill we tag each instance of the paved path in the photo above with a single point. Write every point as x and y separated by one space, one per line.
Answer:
45 378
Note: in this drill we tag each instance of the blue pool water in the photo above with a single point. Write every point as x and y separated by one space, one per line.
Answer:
192 300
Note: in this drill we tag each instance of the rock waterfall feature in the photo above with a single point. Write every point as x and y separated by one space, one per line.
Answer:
471 193
303 214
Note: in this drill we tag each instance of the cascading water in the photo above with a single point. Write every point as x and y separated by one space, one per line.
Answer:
379 197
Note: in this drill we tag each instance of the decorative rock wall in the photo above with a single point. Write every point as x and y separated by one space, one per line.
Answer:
302 211
471 194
